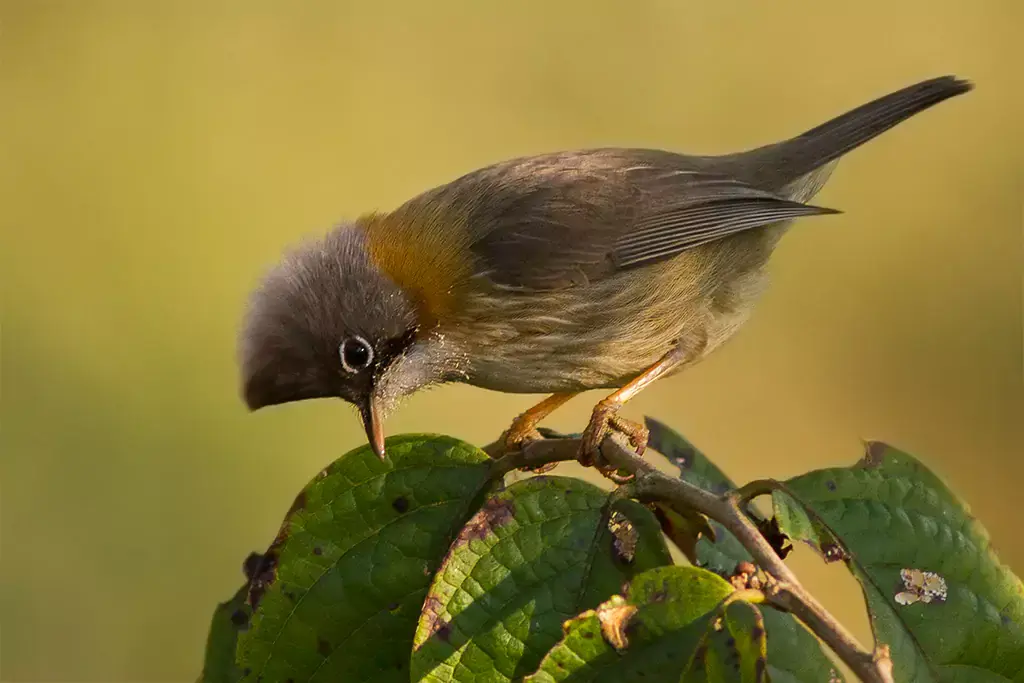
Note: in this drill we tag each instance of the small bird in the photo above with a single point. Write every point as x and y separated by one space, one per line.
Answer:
603 268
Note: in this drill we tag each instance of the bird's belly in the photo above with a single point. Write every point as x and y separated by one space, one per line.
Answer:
565 361
604 334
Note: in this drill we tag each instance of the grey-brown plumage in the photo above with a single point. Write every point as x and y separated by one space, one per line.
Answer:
553 273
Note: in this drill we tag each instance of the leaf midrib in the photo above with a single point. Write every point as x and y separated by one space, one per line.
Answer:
497 614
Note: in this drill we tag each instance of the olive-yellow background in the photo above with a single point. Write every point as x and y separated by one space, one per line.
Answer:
157 156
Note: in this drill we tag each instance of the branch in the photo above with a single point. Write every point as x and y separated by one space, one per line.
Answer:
650 484
756 488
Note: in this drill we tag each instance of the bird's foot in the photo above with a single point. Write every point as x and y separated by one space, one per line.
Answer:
522 432
603 421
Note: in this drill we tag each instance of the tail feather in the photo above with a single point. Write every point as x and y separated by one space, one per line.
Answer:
779 165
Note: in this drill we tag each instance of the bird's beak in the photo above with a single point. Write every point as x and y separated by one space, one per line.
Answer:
371 422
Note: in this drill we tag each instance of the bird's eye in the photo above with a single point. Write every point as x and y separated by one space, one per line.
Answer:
356 354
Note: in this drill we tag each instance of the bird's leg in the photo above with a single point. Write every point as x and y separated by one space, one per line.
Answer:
604 416
524 427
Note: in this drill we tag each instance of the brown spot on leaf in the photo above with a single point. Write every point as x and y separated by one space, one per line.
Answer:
757 632
251 564
833 552
317 550
323 648
264 572
496 512
874 454
615 616
239 618
394 606
263 576
432 615
830 485
761 669
587 635
400 504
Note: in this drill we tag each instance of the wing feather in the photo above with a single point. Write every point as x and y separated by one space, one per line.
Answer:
564 219
688 227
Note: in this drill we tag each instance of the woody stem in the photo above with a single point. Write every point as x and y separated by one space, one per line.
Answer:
651 484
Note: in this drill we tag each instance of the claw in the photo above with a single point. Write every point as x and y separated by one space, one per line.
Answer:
616 477
516 438
637 434
602 422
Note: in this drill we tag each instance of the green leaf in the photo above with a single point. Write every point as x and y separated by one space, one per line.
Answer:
936 592
734 648
746 626
229 619
339 592
791 516
796 655
649 635
535 555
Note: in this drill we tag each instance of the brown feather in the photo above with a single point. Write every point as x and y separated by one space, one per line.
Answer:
424 249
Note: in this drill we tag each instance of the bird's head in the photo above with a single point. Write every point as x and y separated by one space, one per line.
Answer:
326 322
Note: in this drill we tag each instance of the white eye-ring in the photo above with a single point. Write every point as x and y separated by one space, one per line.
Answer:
356 354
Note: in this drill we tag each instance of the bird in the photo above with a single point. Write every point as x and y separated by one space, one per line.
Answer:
601 268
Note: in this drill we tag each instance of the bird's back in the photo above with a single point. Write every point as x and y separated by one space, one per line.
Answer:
600 260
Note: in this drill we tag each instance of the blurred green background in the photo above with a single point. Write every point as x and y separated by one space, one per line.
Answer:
157 156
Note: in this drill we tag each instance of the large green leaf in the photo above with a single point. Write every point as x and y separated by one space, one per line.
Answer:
339 592
651 634
535 554
229 619
936 593
796 655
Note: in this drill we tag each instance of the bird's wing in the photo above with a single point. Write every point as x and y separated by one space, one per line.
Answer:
562 220
694 221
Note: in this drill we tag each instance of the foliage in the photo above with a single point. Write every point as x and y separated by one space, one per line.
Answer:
427 567
935 591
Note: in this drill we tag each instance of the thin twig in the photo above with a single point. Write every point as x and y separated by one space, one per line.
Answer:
753 489
651 484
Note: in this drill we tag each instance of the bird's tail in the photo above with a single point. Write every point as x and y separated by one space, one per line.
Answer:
779 165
